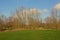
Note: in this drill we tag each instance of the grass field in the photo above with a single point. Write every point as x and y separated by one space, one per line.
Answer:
31 35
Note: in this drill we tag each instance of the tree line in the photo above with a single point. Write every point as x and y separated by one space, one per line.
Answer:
24 18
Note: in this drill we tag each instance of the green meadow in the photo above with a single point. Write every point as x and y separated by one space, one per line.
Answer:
31 35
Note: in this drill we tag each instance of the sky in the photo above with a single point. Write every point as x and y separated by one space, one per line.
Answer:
8 6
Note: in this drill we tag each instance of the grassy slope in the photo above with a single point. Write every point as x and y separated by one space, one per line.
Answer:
31 35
